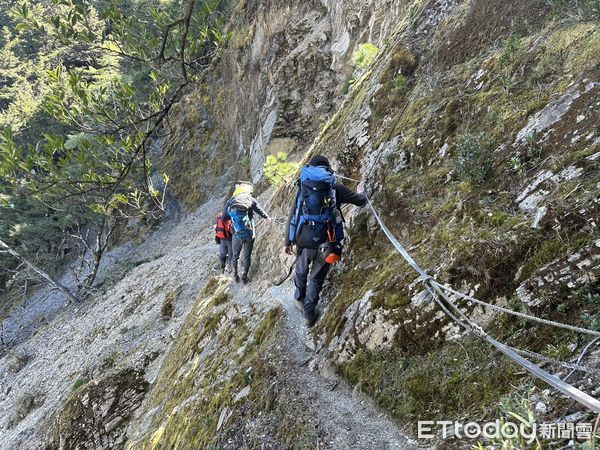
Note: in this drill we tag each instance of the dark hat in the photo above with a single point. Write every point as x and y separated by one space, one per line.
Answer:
319 160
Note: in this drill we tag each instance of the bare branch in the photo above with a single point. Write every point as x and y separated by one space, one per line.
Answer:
184 36
6 249
161 55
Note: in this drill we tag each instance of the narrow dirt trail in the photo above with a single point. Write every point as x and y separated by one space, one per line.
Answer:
348 420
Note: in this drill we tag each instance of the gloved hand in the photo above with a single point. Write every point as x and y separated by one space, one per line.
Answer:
289 249
217 240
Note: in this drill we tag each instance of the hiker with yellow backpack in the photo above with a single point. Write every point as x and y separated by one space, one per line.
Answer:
240 210
315 227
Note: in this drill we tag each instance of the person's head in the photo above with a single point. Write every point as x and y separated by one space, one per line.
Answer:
319 160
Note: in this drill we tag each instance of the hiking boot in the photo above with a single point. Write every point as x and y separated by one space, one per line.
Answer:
245 279
299 304
311 320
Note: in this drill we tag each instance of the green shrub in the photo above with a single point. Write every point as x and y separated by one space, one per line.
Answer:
278 171
591 293
474 158
592 321
510 52
562 308
400 82
364 56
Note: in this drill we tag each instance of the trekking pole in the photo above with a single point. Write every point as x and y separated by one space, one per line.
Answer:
280 282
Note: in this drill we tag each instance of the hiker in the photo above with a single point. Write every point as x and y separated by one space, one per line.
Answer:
223 237
315 226
240 209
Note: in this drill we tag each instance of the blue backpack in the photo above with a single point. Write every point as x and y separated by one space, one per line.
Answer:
242 225
317 218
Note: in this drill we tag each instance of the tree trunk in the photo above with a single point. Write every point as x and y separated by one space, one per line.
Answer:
101 244
5 248
92 276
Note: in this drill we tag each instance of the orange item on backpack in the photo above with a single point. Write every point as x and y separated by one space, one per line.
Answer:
223 229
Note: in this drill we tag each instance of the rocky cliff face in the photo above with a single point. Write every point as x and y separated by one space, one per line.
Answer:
272 90
475 133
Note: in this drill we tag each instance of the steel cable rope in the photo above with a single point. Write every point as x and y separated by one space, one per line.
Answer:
565 364
468 323
571 391
456 315
584 351
404 253
519 314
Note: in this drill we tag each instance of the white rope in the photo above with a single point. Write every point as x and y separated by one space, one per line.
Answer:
452 311
424 276
519 314
564 364
397 244
587 347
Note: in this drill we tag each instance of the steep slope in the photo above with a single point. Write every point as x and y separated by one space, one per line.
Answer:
477 138
238 376
475 133
109 345
78 379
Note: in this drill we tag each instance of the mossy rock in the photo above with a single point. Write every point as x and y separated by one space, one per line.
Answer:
208 364
98 412
438 385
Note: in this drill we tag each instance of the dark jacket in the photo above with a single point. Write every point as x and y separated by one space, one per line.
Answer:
343 196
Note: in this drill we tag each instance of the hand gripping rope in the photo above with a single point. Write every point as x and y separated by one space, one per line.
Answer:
437 290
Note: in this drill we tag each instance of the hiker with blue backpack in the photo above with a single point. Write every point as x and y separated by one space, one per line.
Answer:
315 226
240 208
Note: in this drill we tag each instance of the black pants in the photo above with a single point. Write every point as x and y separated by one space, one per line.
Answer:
225 252
311 269
247 245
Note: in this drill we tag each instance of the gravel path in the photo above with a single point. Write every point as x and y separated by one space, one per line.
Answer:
125 325
350 420
122 328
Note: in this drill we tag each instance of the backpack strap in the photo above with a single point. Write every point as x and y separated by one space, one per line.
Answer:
295 218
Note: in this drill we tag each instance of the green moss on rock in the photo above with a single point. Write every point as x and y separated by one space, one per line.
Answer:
99 411
438 385
204 370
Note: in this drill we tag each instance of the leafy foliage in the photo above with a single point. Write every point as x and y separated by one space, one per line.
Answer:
510 53
364 56
347 85
278 170
474 158
400 82
85 87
